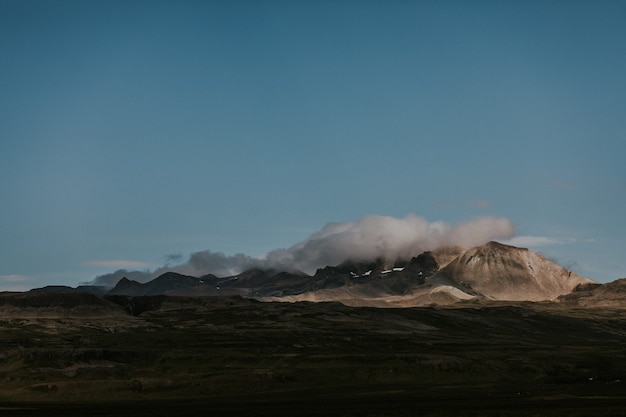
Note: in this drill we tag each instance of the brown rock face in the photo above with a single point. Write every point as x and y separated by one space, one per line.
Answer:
611 294
503 272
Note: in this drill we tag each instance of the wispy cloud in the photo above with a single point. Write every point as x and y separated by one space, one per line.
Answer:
173 258
14 278
117 263
478 203
14 283
536 241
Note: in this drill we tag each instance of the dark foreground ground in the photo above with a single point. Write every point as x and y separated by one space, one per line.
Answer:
236 357
388 405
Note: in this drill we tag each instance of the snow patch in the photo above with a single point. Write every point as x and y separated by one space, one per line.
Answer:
387 271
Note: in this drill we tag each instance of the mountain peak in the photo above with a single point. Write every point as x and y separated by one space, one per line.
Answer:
125 286
504 272
498 247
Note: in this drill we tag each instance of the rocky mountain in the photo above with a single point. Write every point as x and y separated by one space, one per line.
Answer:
169 283
503 272
489 272
612 294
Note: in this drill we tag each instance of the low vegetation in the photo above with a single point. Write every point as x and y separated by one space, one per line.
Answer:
234 356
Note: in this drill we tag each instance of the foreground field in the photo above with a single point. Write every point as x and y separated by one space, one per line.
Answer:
232 356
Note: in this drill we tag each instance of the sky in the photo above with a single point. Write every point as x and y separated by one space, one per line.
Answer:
138 134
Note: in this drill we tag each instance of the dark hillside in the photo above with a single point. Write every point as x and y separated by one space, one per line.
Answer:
53 304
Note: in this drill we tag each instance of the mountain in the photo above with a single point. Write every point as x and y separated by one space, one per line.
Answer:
489 272
260 283
379 283
167 283
493 271
91 289
501 272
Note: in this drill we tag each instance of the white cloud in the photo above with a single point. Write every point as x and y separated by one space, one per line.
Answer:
117 263
535 241
371 237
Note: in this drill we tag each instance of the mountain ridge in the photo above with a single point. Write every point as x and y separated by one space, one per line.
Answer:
493 271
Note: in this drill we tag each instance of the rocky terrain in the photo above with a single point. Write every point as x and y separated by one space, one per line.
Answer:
612 294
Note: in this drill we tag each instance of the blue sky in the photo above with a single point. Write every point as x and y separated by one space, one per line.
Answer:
132 131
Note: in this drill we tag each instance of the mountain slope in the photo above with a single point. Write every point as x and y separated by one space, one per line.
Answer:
612 294
501 272
378 283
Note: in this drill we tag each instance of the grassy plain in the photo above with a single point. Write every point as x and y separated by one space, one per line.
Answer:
232 356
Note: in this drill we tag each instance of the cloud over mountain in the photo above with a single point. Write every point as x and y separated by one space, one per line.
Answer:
367 238
386 237
534 241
